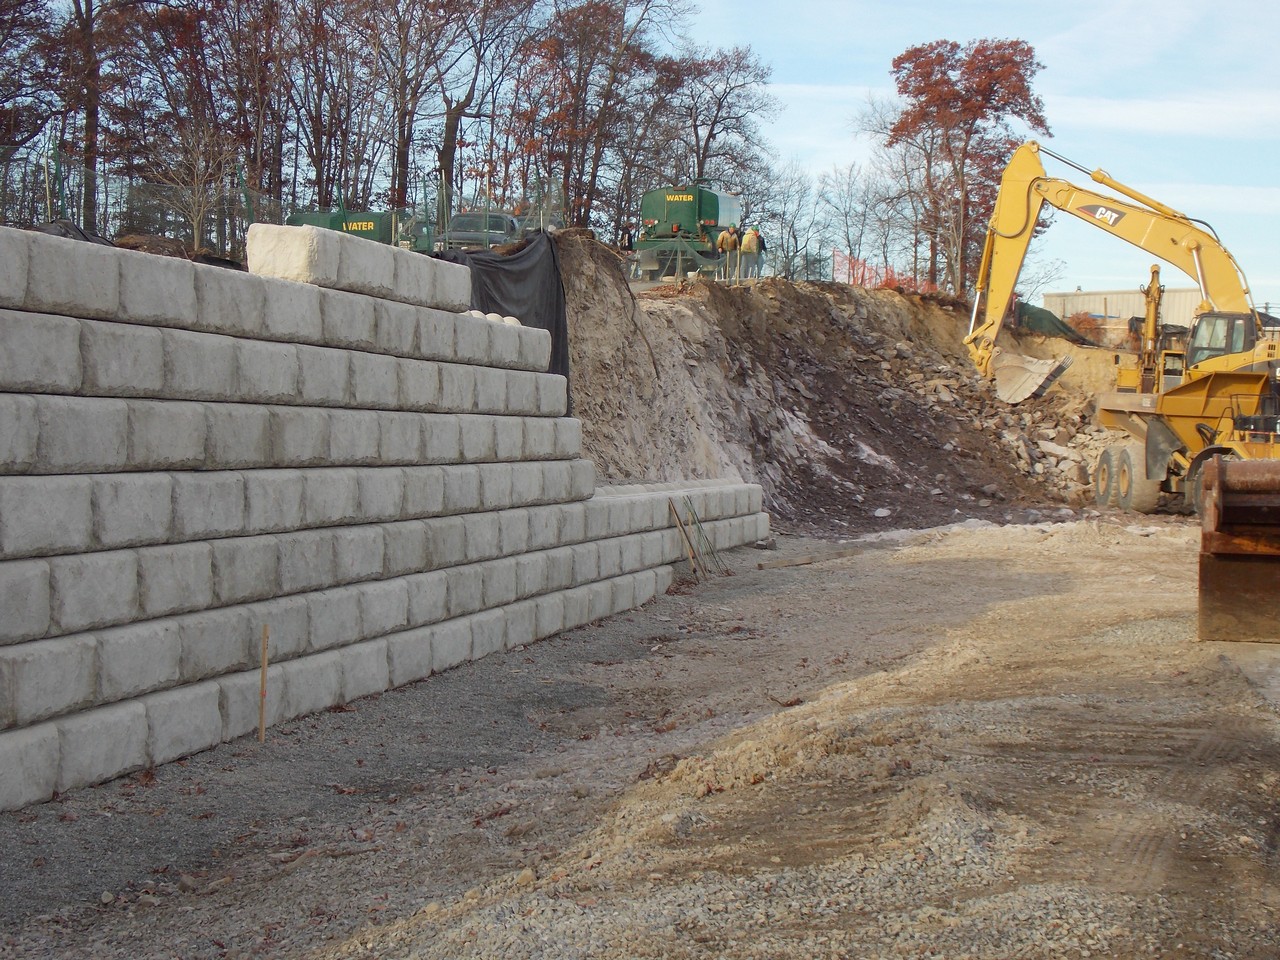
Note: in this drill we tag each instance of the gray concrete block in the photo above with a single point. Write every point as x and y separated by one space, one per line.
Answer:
423 491
504 345
610 553
94 590
299 437
406 547
312 684
522 622
553 395
451 644
624 593
175 578
375 381
137 659
666 576
156 290
366 266
646 582
450 286
100 744
365 669
414 280
531 574
400 438
228 301
330 497
396 328
355 436
324 376
437 334
199 366
428 597
535 349
640 515
29 757
349 320
383 607
573 522
601 602
508 438
491 390
522 393
15 256
121 359
238 436
761 531
651 553
462 489
240 695
292 312
498 582
555 482
19 432
208 505
620 515
577 606
46 678
334 617
214 642
488 633
167 434
409 655
526 484
582 479
183 721
446 542
441 438
288 626
82 436
597 517
483 536
41 354
560 568
74 279
548 615
464 590
266 372
273 500
568 438
25 600
419 385
513 532
471 343
245 569
586 562
381 492
44 515
358 553
457 388
306 560
478 444
539 439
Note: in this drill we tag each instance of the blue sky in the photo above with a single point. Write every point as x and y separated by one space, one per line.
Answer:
1179 99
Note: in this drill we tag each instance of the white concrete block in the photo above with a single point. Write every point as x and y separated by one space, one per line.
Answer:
464 590
165 434
138 658
560 568
441 438
303 254
334 617
238 436
365 669
266 372
428 597
323 376
573 522
586 562
498 582
44 515
483 536
288 624
299 436
121 359
508 438
457 388
273 500
400 438
19 432
348 320
15 256
365 266
539 439
446 542
381 492
183 721
306 560
94 589
240 696
312 683
359 553
355 436
568 438
245 569
531 574
100 744
375 381
553 395
491 390
513 532
229 301
522 393
423 491
384 607
409 655
25 600
396 328
199 366
451 644
451 286
156 290
548 615
292 312
488 633
522 622
330 497
82 436
28 757
405 547
45 678
41 354
74 279
419 385
526 484
437 334
208 505
175 578
535 349
462 489
215 642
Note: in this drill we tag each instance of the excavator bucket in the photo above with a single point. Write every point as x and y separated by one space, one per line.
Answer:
1240 550
1019 377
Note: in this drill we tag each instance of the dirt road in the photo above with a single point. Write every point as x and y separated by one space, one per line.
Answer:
988 742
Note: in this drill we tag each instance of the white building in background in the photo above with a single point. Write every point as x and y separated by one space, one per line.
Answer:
1113 308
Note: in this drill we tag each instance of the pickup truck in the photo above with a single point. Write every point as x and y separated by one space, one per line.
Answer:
468 231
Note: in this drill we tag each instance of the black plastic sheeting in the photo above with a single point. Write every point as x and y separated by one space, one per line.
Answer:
525 285
1042 321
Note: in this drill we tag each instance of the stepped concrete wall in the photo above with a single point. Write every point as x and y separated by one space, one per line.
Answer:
328 447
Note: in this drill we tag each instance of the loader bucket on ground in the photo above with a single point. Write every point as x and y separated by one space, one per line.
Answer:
1240 551
1019 377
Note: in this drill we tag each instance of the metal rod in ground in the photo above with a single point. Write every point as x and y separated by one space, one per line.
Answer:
684 535
705 541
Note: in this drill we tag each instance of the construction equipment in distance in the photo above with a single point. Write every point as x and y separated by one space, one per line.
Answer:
403 228
679 227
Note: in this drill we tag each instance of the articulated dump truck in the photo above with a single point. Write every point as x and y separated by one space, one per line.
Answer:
1201 422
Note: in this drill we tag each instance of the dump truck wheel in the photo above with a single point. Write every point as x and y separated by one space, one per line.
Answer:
1104 478
1133 490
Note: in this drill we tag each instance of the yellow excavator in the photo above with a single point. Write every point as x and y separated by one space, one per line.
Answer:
1202 422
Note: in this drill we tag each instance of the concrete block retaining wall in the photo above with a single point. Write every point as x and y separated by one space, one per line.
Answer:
328 448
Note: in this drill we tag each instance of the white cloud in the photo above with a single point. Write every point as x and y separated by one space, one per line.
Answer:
1251 114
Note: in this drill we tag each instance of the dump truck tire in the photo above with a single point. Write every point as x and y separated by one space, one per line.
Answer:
1133 490
1104 478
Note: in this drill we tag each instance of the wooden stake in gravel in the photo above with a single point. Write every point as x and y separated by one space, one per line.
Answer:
262 688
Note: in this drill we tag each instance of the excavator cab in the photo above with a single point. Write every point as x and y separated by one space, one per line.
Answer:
1220 334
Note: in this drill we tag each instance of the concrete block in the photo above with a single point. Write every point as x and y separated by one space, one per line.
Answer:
471 343
755 498
582 479
208 505
640 513
167 434
451 286
245 569
406 547
215 642
498 582
292 312
183 721
555 482
44 515
355 436
610 552
488 633
462 489
334 617
15 256
620 515
238 436
526 484
441 439
464 588
25 600
478 445
100 744
306 560
289 627
451 644
312 684
299 436
359 553
624 593
366 266
330 497
446 542
761 531
41 354
239 696
577 606
548 615
535 349
437 334
419 385
568 438
74 279
586 562
365 669
651 554
428 597
324 376
573 522
539 439
457 388
157 290
137 659
665 578
46 678
522 622
121 359
94 590
531 574
381 493
375 381
199 366
302 254
513 532
396 328
483 537
508 438
30 757
560 568
82 436
409 655
175 578
597 517
522 393
229 301
553 395
423 491
383 607
601 603
274 500
349 320
19 432
400 438
266 372
504 345
491 390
